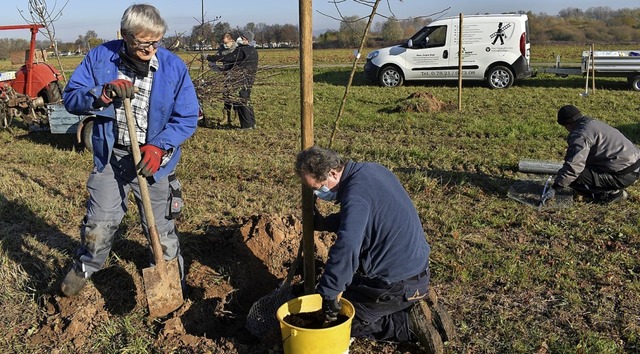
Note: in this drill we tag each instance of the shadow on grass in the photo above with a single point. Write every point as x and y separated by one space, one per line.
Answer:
17 224
59 141
117 288
35 259
65 142
575 81
487 183
340 77
114 283
28 240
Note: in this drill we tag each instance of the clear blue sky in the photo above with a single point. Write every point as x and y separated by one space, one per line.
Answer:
80 16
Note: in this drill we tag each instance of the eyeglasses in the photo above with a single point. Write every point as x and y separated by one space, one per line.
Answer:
145 45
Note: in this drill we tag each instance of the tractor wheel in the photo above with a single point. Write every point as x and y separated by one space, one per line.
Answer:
53 92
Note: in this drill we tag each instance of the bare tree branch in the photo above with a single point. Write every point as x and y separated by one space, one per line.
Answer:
341 18
41 13
353 70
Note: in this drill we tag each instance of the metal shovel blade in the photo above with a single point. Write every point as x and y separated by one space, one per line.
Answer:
162 287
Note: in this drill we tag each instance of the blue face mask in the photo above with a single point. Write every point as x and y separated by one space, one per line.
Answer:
325 193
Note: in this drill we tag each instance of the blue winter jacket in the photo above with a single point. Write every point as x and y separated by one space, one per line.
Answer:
173 104
379 231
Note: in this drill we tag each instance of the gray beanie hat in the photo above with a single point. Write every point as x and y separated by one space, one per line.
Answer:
247 34
568 114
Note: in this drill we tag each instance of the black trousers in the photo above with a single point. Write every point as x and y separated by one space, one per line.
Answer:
245 110
595 181
382 310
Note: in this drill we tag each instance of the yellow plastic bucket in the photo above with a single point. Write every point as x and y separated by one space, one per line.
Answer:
298 340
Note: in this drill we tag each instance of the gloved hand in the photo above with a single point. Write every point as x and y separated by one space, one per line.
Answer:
331 308
150 161
547 196
117 88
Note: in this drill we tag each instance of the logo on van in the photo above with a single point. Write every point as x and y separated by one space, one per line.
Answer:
499 34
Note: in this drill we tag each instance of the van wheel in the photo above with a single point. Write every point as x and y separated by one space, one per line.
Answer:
634 83
87 132
499 77
390 77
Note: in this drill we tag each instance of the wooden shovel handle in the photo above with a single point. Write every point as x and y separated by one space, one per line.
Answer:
144 188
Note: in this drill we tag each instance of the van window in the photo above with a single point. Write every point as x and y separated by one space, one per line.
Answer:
430 37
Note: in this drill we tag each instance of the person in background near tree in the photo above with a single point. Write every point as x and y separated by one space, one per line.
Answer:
227 47
243 65
380 258
599 163
165 109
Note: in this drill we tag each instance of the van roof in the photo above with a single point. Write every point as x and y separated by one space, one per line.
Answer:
479 15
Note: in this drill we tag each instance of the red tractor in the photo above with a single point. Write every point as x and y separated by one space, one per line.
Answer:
34 94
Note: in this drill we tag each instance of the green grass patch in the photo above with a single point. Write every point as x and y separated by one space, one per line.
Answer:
514 279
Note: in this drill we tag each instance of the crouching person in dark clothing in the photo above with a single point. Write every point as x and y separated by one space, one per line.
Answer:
380 259
600 162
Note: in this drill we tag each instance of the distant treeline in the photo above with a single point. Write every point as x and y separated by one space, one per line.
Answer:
598 24
571 25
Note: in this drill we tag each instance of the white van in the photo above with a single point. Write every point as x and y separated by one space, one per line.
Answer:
495 48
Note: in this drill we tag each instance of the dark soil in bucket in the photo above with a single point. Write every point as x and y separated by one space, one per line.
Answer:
312 320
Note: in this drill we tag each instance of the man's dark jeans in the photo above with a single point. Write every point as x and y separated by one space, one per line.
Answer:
382 309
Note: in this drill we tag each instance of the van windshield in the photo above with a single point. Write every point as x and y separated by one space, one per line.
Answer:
430 37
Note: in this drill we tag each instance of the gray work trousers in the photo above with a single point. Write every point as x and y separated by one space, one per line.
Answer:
107 206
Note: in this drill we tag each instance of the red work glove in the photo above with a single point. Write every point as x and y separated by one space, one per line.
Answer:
117 88
150 161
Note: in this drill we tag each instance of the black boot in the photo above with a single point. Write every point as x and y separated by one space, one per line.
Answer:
73 282
421 327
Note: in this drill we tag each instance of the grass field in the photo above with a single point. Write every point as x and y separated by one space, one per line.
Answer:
515 279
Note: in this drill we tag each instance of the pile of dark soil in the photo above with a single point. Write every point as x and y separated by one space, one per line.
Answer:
420 102
313 320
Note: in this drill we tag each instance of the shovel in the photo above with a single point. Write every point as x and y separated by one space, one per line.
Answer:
544 191
161 283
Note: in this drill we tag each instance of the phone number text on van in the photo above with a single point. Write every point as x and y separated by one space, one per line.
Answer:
447 73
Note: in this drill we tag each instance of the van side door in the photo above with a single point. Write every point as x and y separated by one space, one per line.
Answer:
429 53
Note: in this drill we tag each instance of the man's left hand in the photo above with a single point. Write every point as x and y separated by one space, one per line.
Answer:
150 161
